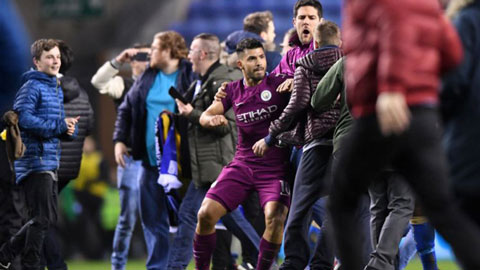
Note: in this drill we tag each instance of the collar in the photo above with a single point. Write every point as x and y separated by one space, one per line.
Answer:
326 47
210 70
295 41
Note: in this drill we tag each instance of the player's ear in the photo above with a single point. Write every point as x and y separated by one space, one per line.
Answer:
239 64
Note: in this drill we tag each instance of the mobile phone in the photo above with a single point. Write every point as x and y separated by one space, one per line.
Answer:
140 57
175 94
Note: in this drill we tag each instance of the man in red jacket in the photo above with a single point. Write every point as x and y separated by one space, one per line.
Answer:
396 52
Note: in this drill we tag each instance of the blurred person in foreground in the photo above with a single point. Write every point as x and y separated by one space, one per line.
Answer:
12 65
135 125
392 84
107 81
461 100
42 122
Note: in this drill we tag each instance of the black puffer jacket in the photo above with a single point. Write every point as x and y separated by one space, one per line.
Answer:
76 103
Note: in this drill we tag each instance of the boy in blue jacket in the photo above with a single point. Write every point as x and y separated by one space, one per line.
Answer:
39 105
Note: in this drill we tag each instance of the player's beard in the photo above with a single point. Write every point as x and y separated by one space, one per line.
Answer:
257 76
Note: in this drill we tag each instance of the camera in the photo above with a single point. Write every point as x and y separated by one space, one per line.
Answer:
140 57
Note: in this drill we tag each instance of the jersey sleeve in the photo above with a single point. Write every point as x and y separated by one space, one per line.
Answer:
227 101
275 79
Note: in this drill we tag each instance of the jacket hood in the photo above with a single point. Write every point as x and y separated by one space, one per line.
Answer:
70 87
39 76
320 60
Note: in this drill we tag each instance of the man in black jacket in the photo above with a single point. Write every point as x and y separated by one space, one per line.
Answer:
136 124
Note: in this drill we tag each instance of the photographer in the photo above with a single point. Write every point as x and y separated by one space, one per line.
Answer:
107 80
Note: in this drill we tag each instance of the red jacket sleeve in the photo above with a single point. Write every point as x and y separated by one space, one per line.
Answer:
451 47
395 39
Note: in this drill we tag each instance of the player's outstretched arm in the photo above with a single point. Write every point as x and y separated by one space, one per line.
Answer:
213 116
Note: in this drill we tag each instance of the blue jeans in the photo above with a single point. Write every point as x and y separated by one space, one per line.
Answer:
407 250
154 217
127 182
182 249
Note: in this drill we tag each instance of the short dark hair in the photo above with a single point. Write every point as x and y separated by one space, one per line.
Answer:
303 3
248 44
257 22
41 45
326 32
175 42
66 56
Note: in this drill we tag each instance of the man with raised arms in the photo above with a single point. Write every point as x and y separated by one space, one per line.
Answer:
255 103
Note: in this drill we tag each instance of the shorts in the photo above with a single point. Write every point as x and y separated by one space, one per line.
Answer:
239 178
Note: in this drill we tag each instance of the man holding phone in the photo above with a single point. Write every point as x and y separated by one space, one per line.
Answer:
107 80
135 126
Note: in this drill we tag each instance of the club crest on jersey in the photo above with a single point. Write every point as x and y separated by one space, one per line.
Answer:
266 95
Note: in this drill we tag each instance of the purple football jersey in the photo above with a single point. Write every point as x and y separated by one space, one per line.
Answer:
255 107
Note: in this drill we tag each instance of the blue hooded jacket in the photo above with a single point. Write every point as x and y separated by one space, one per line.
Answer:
39 104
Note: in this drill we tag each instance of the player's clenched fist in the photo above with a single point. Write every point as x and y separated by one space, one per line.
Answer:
218 120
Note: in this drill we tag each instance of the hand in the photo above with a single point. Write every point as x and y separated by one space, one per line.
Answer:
126 55
260 148
221 94
286 86
393 115
184 109
218 120
169 183
120 152
71 123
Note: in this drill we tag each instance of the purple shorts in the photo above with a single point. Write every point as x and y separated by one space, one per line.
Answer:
239 178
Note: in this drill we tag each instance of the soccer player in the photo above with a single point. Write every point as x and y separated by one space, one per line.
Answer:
255 103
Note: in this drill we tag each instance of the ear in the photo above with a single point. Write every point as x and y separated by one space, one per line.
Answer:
263 35
239 64
294 20
169 52
35 62
317 45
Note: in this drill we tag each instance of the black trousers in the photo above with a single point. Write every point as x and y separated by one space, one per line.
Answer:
310 184
40 192
418 156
